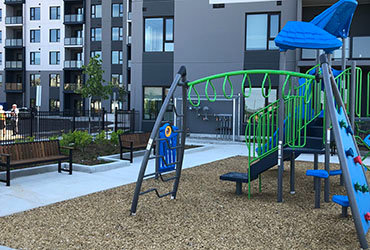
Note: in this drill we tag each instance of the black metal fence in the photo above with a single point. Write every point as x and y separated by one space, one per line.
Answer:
33 125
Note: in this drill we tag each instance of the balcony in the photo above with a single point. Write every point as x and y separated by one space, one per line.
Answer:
13 86
74 19
73 64
13 42
72 87
13 20
73 41
14 1
13 65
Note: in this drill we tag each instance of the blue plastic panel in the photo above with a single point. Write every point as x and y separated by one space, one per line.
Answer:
164 149
356 172
306 36
338 18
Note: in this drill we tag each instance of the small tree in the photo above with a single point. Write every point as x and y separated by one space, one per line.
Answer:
94 86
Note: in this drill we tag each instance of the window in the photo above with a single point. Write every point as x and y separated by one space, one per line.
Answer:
54 80
311 54
95 34
35 13
153 99
1 15
1 36
55 35
117 10
35 80
95 105
117 34
117 57
360 47
117 79
96 11
54 105
35 36
159 35
1 58
256 101
261 30
35 58
95 53
54 58
54 13
1 80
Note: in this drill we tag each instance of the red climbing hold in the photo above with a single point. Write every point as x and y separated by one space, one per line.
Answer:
367 216
358 160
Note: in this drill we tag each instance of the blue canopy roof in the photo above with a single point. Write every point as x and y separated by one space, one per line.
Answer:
337 19
306 36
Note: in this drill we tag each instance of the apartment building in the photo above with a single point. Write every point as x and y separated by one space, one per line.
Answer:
46 42
143 43
216 38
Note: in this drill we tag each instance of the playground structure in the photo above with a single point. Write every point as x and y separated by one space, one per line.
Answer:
308 104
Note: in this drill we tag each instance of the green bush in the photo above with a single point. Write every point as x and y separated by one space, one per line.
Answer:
77 139
53 138
101 138
114 136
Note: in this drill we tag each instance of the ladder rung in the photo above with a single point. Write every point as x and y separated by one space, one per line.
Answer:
169 179
147 175
156 192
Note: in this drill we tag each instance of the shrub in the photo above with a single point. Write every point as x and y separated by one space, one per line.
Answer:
53 138
114 136
101 138
77 139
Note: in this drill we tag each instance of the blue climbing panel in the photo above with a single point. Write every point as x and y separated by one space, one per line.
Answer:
168 142
356 176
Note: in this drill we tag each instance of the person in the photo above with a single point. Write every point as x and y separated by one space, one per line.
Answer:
2 120
14 112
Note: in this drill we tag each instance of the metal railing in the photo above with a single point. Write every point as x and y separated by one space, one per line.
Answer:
73 41
13 64
73 64
14 42
72 86
43 125
13 20
74 18
14 86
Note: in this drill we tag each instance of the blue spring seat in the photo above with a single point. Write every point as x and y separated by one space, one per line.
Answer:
343 201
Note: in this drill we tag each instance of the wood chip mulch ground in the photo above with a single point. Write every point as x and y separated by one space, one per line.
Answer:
206 215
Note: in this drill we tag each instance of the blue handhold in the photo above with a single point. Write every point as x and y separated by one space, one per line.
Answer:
317 173
349 152
349 130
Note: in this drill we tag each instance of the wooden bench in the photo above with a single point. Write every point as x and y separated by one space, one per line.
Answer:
30 153
132 141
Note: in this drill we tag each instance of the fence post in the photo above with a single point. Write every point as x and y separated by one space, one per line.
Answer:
31 123
74 120
115 119
102 119
132 122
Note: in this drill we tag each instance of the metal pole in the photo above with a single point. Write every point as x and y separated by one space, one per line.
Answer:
174 114
344 54
352 100
157 124
234 118
115 119
38 122
281 133
239 113
327 146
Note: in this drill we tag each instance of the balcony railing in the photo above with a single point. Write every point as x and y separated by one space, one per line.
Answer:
74 18
72 86
14 20
14 86
73 41
73 64
13 64
14 42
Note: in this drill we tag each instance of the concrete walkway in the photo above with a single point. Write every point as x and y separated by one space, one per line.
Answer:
47 188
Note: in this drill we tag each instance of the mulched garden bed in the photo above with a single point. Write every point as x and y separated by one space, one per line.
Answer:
206 214
89 156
